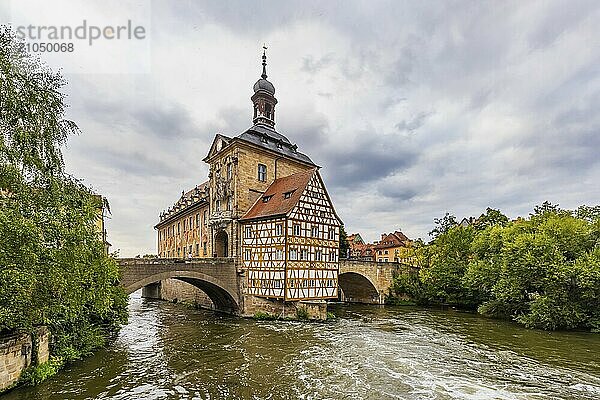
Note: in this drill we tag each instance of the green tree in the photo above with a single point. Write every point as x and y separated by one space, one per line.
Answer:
442 225
491 217
53 266
447 259
543 272
344 244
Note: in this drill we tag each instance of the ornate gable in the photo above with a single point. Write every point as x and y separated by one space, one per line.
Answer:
219 142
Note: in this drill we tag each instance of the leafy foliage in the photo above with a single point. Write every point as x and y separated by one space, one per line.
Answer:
543 272
53 266
344 244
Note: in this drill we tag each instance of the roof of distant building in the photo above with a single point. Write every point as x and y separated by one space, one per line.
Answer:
355 238
394 239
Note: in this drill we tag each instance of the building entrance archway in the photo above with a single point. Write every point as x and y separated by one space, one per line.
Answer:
221 244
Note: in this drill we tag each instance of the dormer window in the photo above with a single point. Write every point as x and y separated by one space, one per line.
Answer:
263 139
287 195
265 199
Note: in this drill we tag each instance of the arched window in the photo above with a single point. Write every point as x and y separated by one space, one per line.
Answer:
268 110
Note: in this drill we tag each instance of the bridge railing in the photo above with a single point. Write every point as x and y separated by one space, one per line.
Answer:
171 261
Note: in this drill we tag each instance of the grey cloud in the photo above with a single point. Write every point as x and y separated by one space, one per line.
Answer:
165 119
558 19
133 163
414 123
362 160
312 66
478 65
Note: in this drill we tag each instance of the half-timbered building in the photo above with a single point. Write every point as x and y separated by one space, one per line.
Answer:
290 244
265 206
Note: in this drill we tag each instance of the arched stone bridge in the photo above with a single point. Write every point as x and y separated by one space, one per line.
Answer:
217 277
359 281
368 282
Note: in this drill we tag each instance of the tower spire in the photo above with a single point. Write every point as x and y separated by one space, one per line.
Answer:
263 99
264 62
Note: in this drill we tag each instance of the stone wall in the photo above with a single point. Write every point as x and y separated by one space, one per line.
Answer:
17 352
314 310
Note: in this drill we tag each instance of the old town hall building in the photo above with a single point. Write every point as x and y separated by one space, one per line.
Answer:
264 205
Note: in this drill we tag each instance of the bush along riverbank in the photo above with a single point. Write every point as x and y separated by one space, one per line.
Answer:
542 271
54 269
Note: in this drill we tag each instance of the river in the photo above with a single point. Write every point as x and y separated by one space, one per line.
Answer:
168 351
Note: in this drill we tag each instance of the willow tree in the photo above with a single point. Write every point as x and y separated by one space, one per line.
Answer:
53 266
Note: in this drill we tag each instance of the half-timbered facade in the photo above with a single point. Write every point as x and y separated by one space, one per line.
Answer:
290 244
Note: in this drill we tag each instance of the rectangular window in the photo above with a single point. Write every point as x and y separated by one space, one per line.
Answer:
315 231
293 254
278 230
279 254
178 227
385 252
197 249
296 229
229 171
248 232
197 219
332 256
204 251
318 255
218 205
229 203
331 234
262 172
304 254
247 254
205 219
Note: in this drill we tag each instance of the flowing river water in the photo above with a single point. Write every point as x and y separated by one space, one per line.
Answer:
168 351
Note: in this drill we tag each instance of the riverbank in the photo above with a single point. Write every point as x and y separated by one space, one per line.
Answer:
168 351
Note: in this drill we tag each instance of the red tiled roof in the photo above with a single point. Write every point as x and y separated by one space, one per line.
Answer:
394 239
277 203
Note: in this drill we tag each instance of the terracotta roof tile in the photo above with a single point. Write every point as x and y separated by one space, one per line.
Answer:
277 203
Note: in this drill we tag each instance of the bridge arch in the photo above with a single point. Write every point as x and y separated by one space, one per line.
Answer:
358 288
222 298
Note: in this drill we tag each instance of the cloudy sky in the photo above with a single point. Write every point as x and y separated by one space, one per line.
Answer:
412 108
